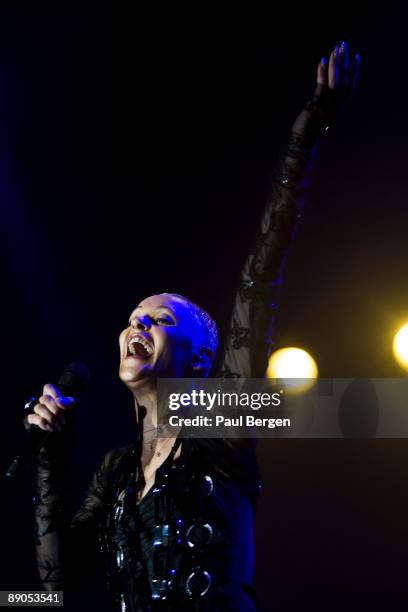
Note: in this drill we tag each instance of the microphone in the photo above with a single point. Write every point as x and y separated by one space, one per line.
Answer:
71 383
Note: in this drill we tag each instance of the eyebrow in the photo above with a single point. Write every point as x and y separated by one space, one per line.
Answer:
166 308
158 307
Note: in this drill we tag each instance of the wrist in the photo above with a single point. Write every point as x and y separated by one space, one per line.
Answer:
317 116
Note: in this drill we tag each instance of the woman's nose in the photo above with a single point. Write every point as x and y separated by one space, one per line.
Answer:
141 323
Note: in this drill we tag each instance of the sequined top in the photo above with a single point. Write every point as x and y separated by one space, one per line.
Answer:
203 541
188 544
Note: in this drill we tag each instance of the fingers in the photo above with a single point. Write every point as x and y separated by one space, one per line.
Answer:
51 390
66 403
333 69
48 402
35 419
48 412
336 73
339 74
336 81
322 72
330 71
44 419
344 62
62 402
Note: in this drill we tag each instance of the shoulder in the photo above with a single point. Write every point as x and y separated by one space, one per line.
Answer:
115 465
113 457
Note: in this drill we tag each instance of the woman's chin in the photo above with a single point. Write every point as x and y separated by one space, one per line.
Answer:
135 374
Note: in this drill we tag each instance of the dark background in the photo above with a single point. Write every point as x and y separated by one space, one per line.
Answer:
135 151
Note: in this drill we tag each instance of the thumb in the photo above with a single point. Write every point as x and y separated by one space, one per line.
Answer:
65 402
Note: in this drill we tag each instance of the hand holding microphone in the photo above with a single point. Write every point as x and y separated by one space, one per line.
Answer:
49 410
46 414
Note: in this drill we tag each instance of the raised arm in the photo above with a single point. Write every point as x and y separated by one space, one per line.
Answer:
248 343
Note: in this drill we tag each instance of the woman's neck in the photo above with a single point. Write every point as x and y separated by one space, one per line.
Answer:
146 416
146 410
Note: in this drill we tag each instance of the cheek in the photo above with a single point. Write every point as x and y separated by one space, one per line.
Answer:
122 339
172 344
175 346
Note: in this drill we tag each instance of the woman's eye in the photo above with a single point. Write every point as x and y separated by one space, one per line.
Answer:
162 320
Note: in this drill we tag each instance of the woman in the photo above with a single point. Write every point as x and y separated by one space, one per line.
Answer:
171 519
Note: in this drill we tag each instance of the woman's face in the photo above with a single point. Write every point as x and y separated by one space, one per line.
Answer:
158 342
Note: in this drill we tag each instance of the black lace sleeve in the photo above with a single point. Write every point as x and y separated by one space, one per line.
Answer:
67 552
248 344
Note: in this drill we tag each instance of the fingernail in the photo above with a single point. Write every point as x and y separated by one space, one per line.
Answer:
343 44
323 61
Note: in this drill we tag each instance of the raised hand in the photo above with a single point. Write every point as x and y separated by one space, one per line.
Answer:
335 83
340 75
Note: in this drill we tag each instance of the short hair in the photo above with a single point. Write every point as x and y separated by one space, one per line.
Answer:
204 321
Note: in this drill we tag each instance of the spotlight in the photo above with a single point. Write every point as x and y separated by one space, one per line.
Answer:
400 346
295 365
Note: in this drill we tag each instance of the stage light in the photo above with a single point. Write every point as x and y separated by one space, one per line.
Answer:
400 346
295 367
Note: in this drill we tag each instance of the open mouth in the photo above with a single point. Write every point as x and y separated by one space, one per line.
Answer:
139 346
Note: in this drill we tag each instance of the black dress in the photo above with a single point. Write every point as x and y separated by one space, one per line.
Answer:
188 544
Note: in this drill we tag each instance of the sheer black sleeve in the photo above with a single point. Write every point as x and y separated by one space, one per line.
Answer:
248 344
67 551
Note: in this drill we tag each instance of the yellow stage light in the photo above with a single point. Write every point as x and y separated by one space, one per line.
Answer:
293 363
400 346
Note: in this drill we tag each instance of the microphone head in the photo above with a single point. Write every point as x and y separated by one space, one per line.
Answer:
74 378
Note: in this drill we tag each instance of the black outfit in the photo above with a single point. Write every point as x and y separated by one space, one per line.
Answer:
187 545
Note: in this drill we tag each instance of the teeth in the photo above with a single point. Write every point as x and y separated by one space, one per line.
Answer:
141 341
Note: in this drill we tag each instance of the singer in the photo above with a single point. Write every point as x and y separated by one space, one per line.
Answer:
169 519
